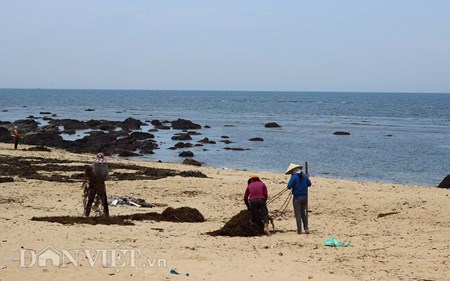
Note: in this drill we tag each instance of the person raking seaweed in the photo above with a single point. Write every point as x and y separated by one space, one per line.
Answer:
255 197
299 183
94 186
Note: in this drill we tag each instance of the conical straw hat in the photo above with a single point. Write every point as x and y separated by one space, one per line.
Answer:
291 167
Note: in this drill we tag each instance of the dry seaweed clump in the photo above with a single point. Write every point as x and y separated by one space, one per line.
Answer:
239 225
85 220
183 214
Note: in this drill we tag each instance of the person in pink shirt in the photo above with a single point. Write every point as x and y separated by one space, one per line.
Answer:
255 197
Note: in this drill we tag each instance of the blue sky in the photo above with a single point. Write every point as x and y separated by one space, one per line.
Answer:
339 45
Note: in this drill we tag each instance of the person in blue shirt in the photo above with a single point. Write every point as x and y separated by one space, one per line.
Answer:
299 183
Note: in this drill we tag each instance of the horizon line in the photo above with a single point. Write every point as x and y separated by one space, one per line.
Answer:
209 90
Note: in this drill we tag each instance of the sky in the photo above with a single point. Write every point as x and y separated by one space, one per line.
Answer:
329 45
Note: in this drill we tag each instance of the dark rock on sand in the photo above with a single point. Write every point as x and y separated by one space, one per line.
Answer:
191 162
89 109
256 139
341 133
445 182
5 135
226 141
207 127
45 112
128 154
272 125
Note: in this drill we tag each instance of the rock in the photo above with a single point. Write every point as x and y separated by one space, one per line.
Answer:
183 145
226 141
193 133
182 137
47 138
186 154
341 133
5 135
159 125
132 124
45 112
148 146
69 124
26 125
182 124
225 137
142 135
128 154
272 125
69 132
445 182
89 109
206 140
191 162
236 148
256 139
207 127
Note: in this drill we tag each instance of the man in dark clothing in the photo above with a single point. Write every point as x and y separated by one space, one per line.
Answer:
255 197
16 134
94 185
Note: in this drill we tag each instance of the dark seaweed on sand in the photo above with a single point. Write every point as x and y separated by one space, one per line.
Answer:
183 214
239 225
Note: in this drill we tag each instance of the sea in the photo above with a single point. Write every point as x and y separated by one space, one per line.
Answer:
393 137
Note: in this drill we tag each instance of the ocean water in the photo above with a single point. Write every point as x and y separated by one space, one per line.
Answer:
394 137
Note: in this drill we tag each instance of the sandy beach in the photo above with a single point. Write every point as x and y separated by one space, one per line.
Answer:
397 232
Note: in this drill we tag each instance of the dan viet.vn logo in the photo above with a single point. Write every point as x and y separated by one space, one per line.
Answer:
109 258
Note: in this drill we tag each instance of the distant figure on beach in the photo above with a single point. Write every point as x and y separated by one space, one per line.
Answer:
94 185
16 134
299 183
255 197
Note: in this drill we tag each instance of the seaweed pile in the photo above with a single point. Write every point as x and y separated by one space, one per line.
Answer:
239 225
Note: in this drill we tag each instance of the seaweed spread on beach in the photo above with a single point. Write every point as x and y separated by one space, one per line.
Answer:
48 169
182 214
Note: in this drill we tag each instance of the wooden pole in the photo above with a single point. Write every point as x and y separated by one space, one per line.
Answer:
306 168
